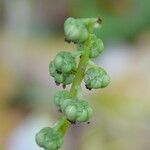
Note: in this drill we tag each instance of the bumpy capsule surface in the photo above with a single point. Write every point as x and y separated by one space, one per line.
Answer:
97 46
64 62
49 139
96 78
60 96
75 30
59 78
69 78
76 110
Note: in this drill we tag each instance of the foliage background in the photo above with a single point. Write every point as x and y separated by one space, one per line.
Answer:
31 33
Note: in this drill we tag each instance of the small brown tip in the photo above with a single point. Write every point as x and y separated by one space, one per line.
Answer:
99 20
59 110
57 83
59 72
72 122
64 86
88 87
68 41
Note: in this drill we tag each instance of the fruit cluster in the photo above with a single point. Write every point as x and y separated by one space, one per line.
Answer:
65 70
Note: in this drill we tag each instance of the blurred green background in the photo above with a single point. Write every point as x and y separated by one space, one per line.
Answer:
31 33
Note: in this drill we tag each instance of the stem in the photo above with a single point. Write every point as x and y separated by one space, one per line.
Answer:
79 94
81 68
63 123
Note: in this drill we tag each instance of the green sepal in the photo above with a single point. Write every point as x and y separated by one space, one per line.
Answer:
97 46
59 78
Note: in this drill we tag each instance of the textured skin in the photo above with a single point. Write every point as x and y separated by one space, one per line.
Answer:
75 30
49 139
97 47
64 62
63 68
76 110
60 96
96 78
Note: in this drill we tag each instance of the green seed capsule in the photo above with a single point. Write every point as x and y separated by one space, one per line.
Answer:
97 47
49 139
75 30
65 103
60 96
59 77
64 62
96 78
76 110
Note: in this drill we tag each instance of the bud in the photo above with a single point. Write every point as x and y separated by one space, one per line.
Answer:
60 96
97 46
76 110
96 78
75 30
49 139
64 62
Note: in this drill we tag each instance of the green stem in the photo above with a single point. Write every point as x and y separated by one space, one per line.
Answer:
81 68
63 123
79 94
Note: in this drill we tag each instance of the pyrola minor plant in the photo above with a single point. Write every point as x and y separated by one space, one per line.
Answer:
65 70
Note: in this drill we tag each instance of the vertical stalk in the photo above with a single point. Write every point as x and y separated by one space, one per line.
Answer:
81 68
63 122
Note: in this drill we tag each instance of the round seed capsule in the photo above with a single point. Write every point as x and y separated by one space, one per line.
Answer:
76 110
49 139
64 62
75 30
96 78
97 47
59 78
60 96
